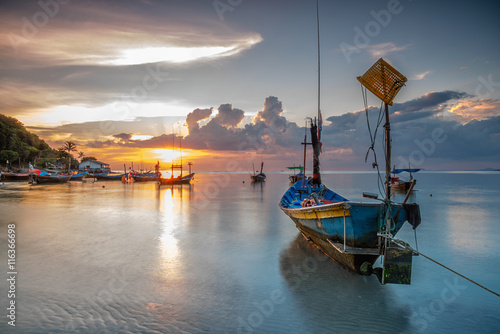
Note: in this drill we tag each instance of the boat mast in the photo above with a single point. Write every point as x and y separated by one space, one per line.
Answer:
384 81
316 125
319 72
305 155
387 127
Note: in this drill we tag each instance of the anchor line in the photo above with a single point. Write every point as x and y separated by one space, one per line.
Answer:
404 244
453 271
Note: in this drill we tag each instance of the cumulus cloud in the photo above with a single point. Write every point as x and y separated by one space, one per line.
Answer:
228 116
425 130
271 114
194 117
471 109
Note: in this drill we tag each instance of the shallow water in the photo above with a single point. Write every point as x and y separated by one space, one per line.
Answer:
219 256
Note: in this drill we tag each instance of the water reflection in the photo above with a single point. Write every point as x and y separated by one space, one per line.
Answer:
331 296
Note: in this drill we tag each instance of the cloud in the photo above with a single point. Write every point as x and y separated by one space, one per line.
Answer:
228 116
415 125
384 49
92 54
470 109
123 136
420 76
194 117
271 114
67 38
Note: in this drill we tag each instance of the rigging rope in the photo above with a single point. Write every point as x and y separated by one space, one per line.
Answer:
453 271
406 245
373 138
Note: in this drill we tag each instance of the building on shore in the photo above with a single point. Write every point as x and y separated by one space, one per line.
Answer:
94 166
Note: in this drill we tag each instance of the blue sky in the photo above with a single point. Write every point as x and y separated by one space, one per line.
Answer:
123 75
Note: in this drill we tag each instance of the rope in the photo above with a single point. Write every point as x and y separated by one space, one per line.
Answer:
453 271
373 138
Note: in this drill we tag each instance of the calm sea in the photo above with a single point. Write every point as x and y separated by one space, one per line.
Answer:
219 256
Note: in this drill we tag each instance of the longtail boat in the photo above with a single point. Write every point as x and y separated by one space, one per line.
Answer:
186 179
296 176
50 178
109 177
399 184
7 176
260 177
356 233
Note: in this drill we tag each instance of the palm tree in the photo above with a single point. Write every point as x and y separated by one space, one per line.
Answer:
69 147
81 155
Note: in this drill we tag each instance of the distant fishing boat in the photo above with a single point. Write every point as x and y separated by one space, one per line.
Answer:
401 185
296 176
108 177
78 176
8 176
145 177
355 233
39 177
260 177
181 179
186 179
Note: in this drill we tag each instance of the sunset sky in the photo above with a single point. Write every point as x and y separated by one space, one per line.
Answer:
237 79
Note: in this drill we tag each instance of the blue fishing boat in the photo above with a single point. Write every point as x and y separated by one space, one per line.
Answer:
351 232
145 177
78 176
109 177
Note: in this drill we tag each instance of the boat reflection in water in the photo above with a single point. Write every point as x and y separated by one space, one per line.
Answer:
335 298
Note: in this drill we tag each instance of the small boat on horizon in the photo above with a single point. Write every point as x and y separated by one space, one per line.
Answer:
260 177
296 176
401 185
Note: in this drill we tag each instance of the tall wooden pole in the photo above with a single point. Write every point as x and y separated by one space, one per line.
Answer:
387 127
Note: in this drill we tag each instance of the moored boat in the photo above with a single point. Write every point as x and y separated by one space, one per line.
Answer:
50 178
78 176
258 177
356 233
109 177
398 184
8 176
145 177
296 176
186 179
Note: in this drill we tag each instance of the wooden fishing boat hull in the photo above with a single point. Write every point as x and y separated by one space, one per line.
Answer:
258 178
344 230
142 178
15 176
401 186
78 177
176 180
44 179
108 177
